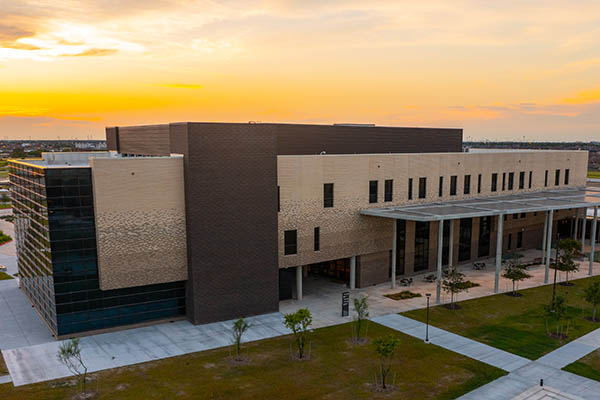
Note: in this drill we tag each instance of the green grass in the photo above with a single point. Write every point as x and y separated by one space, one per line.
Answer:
4 276
403 295
3 369
5 205
515 324
588 366
4 238
336 370
593 174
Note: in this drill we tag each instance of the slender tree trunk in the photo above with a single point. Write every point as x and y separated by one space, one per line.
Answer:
594 313
514 292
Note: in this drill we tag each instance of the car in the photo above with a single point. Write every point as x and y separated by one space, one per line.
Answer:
2 268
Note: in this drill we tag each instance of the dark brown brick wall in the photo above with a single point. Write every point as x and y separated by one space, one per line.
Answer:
112 138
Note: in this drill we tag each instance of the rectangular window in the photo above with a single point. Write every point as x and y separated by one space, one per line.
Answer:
467 186
546 179
317 238
464 239
494 182
519 239
522 180
453 180
389 190
278 199
328 195
503 181
441 188
400 247
511 180
410 188
530 178
523 215
290 245
516 216
479 183
422 187
372 191
421 262
505 217
567 176
485 229
557 177
509 243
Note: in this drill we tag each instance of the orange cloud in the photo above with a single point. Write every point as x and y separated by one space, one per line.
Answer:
182 85
92 52
585 97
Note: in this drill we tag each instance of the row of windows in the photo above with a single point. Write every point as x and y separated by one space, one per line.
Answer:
290 241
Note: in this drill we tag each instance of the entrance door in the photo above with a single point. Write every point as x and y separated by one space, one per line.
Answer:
286 283
564 227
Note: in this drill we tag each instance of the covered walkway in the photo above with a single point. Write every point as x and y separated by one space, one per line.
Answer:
496 206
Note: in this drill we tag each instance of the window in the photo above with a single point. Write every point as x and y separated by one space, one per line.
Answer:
400 247
278 199
389 190
485 229
522 180
516 216
511 180
494 182
453 180
519 239
503 181
410 188
441 189
523 215
328 195
290 245
422 187
505 217
530 178
546 179
479 183
464 239
509 242
467 188
567 176
372 191
557 177
317 238
421 262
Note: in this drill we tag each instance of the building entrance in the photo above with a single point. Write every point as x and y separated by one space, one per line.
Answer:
338 270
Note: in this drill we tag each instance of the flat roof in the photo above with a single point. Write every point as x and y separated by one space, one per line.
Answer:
560 199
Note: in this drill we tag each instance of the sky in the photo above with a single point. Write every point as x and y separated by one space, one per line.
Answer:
501 70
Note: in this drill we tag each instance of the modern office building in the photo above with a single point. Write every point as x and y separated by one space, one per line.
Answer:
214 221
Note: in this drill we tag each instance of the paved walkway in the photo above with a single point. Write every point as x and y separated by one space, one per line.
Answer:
456 343
39 363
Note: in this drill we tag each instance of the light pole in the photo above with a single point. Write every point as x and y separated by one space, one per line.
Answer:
428 295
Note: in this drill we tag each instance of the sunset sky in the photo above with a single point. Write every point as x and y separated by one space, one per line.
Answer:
499 69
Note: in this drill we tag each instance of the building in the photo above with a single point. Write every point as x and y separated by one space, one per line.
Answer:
214 221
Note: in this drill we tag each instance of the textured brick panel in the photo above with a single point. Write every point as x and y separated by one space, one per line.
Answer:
140 221
146 140
112 139
374 268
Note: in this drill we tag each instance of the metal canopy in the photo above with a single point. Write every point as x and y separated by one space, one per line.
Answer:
494 205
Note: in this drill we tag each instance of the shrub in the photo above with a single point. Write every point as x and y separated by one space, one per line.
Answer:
299 323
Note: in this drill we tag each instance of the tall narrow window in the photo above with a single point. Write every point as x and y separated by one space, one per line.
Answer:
278 199
530 179
410 188
519 239
421 260
557 177
372 191
290 245
317 238
441 188
479 183
509 244
453 180
328 195
503 181
467 184
494 182
567 176
511 180
546 179
522 180
389 190
464 239
422 188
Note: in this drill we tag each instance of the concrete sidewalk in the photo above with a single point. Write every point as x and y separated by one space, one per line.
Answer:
39 363
456 343
572 351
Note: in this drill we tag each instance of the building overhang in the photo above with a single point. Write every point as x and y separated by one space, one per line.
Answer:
492 205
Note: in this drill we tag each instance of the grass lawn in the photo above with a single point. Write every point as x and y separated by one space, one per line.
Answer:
593 174
335 371
515 324
5 205
4 276
3 369
588 366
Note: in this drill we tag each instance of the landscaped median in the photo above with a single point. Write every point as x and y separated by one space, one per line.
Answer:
520 325
336 369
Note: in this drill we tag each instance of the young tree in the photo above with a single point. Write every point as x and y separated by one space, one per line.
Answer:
237 331
385 348
557 310
568 249
454 284
592 295
69 354
515 272
299 323
361 306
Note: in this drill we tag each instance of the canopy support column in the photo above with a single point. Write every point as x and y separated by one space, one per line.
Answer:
352 272
439 261
593 237
451 245
545 238
299 282
583 230
548 245
498 252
